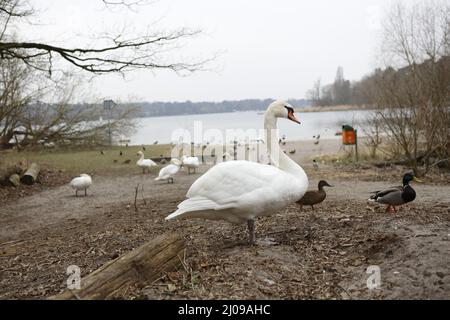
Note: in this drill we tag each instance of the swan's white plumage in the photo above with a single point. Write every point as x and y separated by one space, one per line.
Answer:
240 191
145 163
190 162
83 182
169 171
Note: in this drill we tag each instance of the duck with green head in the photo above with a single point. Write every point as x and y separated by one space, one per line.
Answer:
396 196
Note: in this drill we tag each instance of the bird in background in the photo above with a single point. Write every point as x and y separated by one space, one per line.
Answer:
315 164
145 164
169 171
83 182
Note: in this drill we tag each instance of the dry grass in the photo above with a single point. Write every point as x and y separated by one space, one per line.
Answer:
88 161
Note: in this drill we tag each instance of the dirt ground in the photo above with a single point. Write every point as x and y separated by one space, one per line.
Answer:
320 254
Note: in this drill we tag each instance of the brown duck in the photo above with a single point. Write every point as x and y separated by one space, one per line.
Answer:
314 197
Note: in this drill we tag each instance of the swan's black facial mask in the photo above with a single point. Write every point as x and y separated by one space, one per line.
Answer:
291 115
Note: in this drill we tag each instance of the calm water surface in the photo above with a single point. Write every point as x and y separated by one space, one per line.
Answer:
167 129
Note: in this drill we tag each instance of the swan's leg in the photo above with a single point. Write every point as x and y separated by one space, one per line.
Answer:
85 192
312 206
76 193
251 231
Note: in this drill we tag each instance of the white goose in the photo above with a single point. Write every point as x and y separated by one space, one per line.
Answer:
145 164
190 163
240 191
169 171
83 182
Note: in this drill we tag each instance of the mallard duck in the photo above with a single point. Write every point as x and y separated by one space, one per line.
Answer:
396 196
314 196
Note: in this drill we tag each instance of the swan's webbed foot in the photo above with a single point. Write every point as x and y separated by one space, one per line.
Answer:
251 232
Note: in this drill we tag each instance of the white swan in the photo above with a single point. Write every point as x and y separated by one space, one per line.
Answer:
190 163
83 182
240 191
145 164
169 171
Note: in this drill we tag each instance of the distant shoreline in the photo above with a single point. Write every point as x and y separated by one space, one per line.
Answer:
334 108
300 109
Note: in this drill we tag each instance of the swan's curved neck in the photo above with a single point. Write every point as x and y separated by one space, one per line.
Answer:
277 157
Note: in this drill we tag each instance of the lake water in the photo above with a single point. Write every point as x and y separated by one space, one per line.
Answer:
203 126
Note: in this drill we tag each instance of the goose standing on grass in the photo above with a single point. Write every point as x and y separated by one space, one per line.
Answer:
241 191
190 163
396 196
169 171
83 182
145 164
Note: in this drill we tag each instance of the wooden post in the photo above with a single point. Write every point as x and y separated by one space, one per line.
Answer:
137 268
30 176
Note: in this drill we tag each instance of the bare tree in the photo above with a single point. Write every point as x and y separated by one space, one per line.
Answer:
413 93
25 120
314 93
113 53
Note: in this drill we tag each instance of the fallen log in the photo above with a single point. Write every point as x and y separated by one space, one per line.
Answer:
137 268
6 173
30 176
14 180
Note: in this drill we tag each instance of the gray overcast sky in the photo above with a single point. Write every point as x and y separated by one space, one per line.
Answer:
269 49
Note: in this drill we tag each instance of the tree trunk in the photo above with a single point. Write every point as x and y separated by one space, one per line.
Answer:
137 268
30 176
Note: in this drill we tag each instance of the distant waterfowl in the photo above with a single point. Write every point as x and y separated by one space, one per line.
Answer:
315 164
145 164
396 196
227 157
292 151
155 143
83 182
102 153
314 196
120 153
169 171
143 147
190 163
128 161
241 191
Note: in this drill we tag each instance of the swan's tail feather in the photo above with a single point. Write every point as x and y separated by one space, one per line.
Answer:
193 204
157 178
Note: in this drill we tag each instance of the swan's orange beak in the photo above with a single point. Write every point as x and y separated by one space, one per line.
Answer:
292 117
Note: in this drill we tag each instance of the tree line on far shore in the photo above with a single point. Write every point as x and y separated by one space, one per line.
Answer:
410 95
